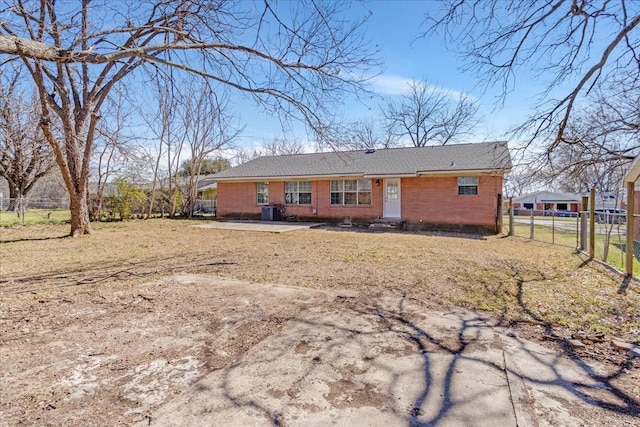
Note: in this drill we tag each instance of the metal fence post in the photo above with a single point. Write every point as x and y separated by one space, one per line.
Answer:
583 224
510 216
553 226
578 231
531 226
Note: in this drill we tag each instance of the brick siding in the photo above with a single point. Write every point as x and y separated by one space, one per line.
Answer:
435 200
425 200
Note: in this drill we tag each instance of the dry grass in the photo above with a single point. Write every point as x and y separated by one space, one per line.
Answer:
35 216
519 279
569 237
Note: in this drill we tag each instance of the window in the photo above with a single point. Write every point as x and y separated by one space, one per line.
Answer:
467 185
351 192
297 192
262 191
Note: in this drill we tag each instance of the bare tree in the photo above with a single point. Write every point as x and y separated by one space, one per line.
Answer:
25 156
584 164
112 151
570 43
161 122
429 115
244 154
600 141
208 129
365 134
293 58
519 182
283 146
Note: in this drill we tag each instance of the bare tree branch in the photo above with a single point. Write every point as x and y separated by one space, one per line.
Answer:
429 115
295 59
578 44
25 156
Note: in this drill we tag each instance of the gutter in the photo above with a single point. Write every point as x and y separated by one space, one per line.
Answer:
459 172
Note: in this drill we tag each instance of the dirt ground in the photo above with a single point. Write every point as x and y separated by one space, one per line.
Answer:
91 337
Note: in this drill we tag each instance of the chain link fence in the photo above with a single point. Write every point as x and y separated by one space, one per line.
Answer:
560 228
604 238
205 207
30 210
25 203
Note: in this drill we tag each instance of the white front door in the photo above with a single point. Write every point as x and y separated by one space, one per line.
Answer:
392 198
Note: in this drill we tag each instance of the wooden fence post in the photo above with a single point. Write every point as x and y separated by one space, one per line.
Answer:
628 265
592 223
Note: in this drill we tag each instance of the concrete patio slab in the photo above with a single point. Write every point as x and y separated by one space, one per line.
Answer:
261 226
385 362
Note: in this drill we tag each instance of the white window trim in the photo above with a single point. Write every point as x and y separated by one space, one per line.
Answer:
297 191
258 193
476 186
358 191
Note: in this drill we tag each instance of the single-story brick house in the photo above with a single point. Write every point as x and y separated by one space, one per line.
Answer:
450 186
541 202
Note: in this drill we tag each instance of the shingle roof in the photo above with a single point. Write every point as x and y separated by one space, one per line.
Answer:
548 196
413 161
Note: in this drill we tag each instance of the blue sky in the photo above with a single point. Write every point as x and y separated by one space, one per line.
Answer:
395 27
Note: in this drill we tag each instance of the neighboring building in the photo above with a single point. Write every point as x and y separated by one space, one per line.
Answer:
608 200
542 202
207 188
207 194
451 186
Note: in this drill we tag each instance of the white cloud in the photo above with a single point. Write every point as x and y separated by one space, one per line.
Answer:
390 85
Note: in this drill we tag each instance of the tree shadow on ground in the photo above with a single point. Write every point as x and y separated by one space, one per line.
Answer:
623 248
370 330
93 274
426 233
628 404
33 239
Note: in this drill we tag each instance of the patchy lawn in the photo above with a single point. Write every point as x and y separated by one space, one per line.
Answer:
82 320
34 216
522 280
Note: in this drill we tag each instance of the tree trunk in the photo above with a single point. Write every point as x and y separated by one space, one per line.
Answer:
80 223
14 193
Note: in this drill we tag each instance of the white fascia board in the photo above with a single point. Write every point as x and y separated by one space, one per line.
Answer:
463 172
634 171
390 175
208 187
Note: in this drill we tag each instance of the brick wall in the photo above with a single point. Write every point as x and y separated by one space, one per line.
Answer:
425 200
239 199
435 200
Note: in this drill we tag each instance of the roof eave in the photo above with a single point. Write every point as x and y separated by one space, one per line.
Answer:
390 175
494 172
634 171
286 177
